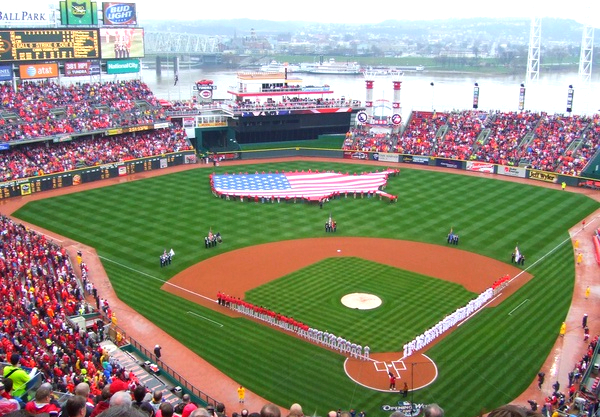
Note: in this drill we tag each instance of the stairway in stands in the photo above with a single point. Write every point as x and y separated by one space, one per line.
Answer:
149 379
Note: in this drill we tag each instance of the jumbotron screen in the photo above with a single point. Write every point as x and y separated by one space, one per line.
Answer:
116 43
48 44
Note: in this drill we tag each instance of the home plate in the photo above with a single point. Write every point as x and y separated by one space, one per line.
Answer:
339 250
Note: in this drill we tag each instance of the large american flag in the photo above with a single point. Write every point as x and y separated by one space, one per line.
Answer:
309 185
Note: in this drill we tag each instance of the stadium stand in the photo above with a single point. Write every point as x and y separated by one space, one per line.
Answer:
36 110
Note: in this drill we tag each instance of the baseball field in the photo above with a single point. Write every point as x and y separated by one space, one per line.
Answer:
486 362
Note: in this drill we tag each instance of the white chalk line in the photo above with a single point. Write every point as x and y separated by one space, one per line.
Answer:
205 318
158 279
514 309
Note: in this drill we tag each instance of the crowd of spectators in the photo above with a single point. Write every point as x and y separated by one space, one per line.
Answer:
36 109
554 143
38 291
506 132
46 158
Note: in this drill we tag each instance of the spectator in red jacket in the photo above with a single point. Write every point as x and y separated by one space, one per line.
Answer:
43 402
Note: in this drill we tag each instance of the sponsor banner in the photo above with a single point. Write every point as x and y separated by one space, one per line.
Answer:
389 157
13 15
448 163
122 170
163 163
6 73
543 176
189 159
189 121
511 171
162 125
25 188
119 14
480 166
76 69
415 159
212 124
32 71
355 155
123 66
4 146
79 12
121 43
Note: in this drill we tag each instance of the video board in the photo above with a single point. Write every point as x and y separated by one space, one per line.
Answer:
48 44
121 43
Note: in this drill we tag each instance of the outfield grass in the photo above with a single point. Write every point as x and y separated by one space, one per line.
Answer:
482 364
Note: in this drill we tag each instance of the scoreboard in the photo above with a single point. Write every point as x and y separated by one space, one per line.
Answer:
48 44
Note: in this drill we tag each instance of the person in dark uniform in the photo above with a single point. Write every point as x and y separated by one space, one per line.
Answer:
157 352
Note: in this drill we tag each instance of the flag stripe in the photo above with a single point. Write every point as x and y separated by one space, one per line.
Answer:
298 184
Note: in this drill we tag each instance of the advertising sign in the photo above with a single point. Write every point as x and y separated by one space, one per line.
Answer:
48 44
570 94
123 66
81 68
21 15
542 176
522 98
33 71
119 14
121 43
6 72
480 166
448 163
476 96
388 157
512 171
78 12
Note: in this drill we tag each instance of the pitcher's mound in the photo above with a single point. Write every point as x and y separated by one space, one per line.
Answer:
361 301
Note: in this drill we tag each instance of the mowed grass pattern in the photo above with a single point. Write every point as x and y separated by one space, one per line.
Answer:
411 302
482 364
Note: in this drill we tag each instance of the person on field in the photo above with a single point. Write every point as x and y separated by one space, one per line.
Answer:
392 381
241 392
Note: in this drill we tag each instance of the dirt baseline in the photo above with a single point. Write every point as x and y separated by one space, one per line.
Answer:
237 271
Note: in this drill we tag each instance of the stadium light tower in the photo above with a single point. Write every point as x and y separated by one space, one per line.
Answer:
533 56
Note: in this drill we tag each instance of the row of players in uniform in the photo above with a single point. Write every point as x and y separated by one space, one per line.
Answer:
290 324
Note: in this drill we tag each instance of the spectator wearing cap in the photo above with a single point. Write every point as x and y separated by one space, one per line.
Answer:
43 402
189 406
19 377
7 405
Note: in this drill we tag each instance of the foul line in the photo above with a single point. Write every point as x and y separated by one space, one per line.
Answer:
158 279
511 311
205 318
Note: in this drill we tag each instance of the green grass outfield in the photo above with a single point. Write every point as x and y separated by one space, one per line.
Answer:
484 363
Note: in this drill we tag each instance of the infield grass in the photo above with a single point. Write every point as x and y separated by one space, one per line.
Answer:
484 363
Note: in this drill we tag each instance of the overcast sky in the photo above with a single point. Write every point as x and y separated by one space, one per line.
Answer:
357 11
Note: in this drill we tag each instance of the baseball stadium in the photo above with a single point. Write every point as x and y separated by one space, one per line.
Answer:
359 265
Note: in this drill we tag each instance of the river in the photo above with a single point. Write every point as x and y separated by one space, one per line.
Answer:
449 90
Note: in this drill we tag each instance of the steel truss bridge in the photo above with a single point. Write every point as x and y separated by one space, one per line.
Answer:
180 43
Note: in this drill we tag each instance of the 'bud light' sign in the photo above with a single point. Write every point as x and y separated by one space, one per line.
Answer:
119 14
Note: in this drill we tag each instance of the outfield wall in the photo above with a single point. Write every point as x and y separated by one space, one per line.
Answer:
475 166
26 186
